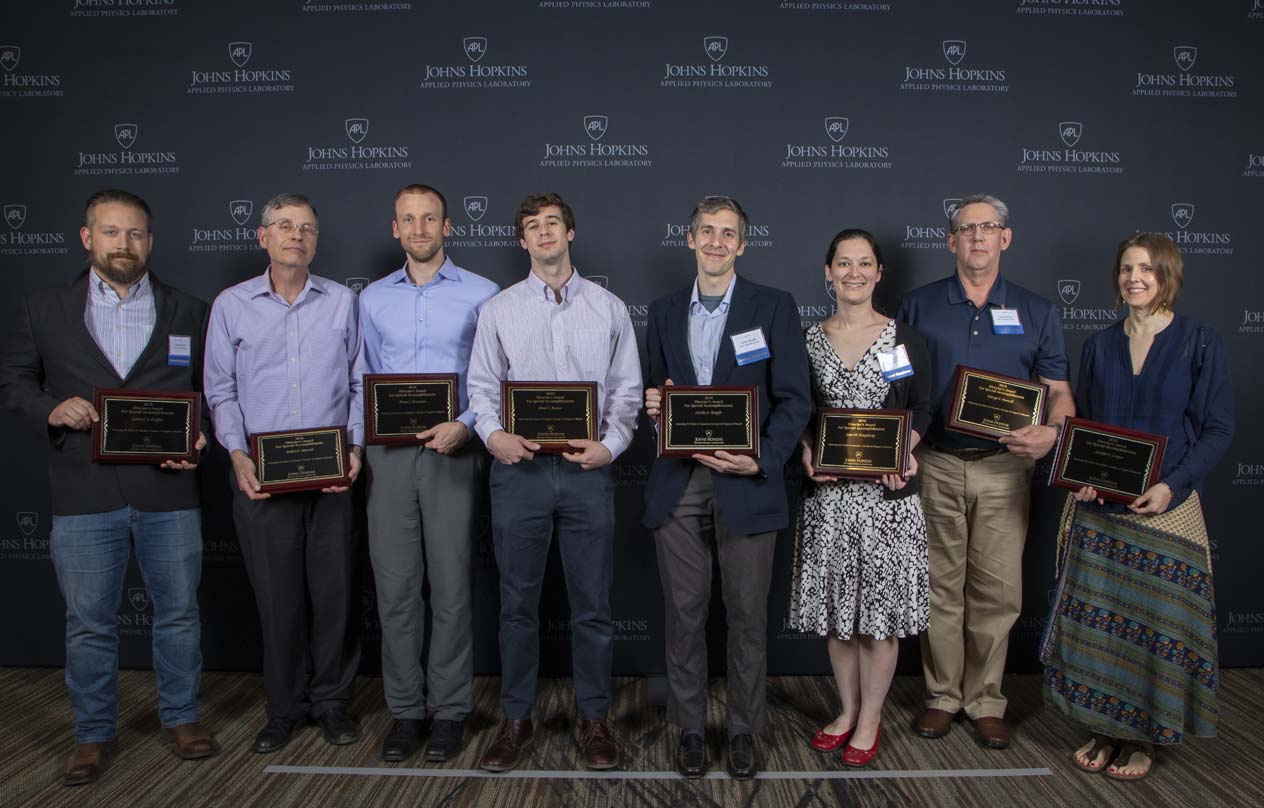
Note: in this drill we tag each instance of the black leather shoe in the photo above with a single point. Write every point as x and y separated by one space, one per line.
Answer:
741 757
275 735
402 742
691 755
339 728
445 740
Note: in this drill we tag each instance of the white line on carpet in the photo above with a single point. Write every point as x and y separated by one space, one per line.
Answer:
528 774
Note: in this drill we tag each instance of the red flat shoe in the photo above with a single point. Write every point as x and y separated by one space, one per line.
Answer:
862 757
824 742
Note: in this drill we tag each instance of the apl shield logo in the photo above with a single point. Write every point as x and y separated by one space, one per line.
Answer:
596 125
10 55
27 522
829 289
1182 214
1070 132
601 280
240 210
357 284
125 134
1068 290
836 128
954 50
716 47
475 47
239 52
138 597
950 207
357 129
15 215
1185 56
475 207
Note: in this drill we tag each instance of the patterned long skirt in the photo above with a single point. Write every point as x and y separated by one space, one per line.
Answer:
1130 645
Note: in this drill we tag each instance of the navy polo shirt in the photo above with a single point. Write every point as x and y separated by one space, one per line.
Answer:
958 333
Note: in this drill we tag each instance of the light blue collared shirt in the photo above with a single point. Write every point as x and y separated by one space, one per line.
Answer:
424 329
705 330
121 328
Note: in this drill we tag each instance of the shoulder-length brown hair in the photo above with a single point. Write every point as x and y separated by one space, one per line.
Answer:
1165 260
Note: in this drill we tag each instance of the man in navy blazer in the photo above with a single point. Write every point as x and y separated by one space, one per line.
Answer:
723 330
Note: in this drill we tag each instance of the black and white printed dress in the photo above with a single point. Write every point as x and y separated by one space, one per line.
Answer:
860 562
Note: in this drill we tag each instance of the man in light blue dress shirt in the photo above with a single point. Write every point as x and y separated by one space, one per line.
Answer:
281 352
421 498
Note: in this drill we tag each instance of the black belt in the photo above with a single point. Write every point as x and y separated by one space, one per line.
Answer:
967 455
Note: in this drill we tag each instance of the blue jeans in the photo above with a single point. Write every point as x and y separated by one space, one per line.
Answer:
90 553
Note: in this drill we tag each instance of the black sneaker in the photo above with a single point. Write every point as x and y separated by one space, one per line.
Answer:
445 740
403 741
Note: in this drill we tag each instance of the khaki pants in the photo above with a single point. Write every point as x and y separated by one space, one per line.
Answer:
976 521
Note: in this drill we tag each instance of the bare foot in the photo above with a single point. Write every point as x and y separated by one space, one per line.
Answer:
1133 763
1095 753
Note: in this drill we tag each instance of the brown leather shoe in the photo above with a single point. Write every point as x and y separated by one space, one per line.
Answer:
934 723
600 749
506 751
88 761
190 741
991 732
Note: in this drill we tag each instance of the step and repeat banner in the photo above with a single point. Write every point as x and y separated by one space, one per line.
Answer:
1092 119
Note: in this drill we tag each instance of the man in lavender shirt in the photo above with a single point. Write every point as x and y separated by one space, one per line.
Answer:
421 319
280 355
554 326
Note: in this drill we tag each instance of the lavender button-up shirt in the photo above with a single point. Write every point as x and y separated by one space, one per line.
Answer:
271 365
423 329
121 328
525 335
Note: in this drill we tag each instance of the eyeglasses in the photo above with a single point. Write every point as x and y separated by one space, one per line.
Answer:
287 227
986 228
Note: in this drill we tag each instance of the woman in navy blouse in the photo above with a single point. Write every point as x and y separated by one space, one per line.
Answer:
1130 644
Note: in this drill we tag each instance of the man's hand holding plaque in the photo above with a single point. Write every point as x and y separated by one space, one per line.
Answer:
992 405
138 426
554 417
716 426
412 408
297 460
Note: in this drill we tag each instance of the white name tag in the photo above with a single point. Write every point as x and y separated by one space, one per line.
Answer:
179 350
1005 321
895 364
750 346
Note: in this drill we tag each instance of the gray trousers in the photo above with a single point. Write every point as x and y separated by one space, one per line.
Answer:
421 527
684 548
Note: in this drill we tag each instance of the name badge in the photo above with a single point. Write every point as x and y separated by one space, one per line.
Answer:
179 350
895 364
1005 321
750 346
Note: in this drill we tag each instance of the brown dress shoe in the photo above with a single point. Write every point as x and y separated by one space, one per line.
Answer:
88 761
600 749
190 741
934 723
506 751
991 732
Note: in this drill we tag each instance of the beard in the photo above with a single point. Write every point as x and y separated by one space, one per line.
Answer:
423 255
123 272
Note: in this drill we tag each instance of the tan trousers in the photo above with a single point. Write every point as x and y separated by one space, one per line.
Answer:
976 521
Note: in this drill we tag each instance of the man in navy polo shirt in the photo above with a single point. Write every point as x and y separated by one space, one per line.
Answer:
976 491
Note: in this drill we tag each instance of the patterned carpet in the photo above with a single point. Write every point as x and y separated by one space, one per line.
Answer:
36 737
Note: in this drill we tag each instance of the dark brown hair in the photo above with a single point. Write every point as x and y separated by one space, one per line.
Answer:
538 202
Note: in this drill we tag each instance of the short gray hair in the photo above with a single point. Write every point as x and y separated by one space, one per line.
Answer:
1002 210
285 200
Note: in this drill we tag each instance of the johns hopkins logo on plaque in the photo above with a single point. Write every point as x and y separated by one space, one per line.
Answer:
597 153
1195 241
126 159
1183 81
954 75
477 72
358 153
16 241
1084 317
930 234
231 233
832 152
715 72
240 78
1051 157
1072 8
471 231
356 7
124 8
16 83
